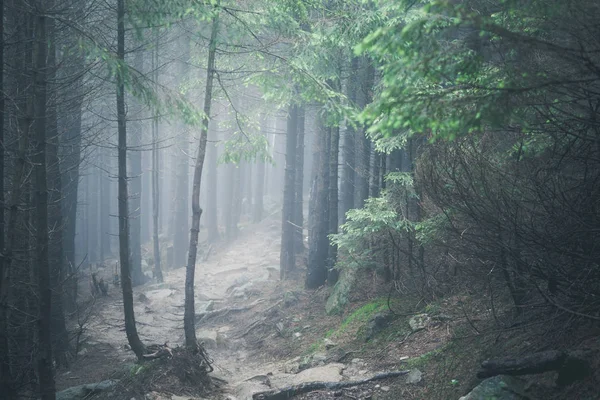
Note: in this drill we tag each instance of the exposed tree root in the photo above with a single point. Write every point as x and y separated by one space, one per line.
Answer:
288 392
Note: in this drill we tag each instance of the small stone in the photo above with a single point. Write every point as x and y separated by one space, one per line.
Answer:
419 322
377 386
414 376
362 371
297 335
329 344
385 388
305 327
404 358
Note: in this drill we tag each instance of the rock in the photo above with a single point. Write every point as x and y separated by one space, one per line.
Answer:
159 294
83 391
297 335
414 376
419 322
312 361
326 373
290 298
498 388
385 388
343 287
329 344
378 323
209 338
204 306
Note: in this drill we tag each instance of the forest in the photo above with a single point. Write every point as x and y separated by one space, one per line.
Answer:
299 199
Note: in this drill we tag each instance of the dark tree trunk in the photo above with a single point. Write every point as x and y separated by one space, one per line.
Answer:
189 312
5 374
45 371
362 143
348 148
259 185
334 146
135 162
318 213
60 340
155 174
374 182
124 251
71 100
287 258
299 185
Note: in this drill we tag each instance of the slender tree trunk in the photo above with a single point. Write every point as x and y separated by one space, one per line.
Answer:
135 162
334 146
45 371
318 214
363 145
189 310
348 148
259 185
299 184
375 173
182 184
5 374
124 252
155 174
287 256
71 143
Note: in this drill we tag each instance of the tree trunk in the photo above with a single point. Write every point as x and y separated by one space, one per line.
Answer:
318 213
287 256
5 374
189 312
334 146
45 371
348 148
375 173
135 162
363 145
124 252
259 180
60 340
155 174
299 185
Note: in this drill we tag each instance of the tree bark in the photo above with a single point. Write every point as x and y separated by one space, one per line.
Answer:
155 173
334 146
60 340
135 162
287 256
299 184
259 181
45 371
189 312
5 374
124 252
348 148
318 214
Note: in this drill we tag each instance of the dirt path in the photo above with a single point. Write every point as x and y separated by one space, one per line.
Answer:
228 279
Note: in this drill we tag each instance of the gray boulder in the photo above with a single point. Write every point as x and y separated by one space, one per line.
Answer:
498 388
83 391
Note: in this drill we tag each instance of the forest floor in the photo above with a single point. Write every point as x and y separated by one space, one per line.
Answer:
275 334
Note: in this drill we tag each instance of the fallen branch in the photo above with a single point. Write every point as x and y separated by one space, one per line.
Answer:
571 366
288 392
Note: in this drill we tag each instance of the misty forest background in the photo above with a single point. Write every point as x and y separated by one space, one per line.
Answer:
441 146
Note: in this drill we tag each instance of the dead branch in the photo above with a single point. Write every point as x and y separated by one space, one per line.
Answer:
571 366
306 387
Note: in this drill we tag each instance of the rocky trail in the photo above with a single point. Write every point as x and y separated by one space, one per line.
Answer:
240 308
